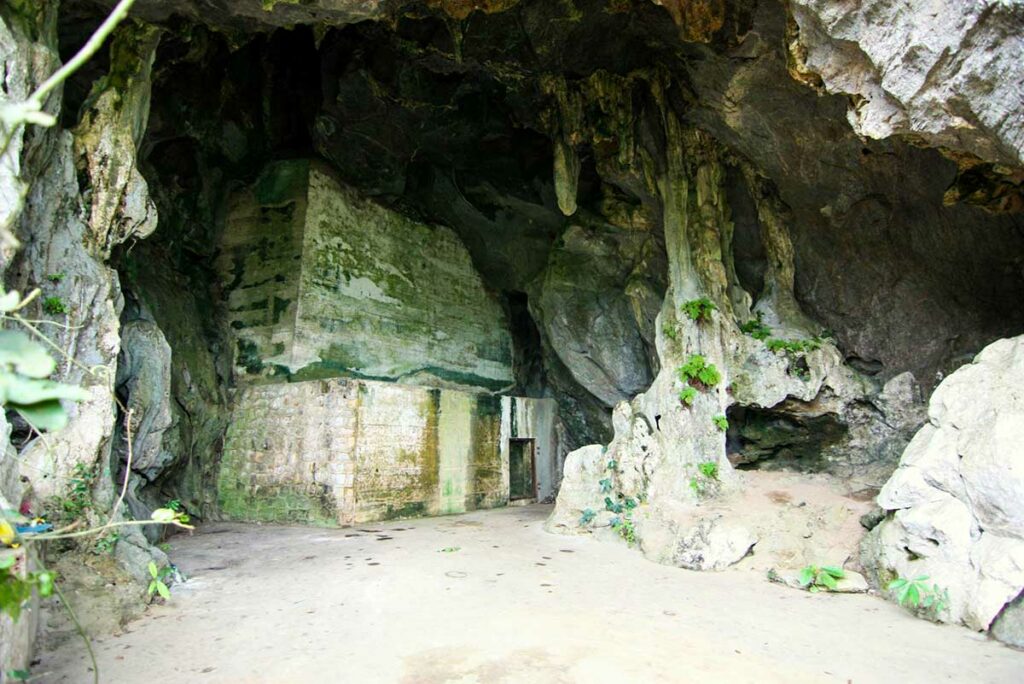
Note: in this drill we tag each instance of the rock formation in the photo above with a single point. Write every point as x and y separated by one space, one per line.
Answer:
718 235
956 502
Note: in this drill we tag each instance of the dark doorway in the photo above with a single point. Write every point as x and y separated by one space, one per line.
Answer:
522 469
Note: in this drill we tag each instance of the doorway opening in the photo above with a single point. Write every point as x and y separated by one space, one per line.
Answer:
522 469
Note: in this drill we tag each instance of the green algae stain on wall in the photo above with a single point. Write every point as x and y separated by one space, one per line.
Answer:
340 452
396 452
487 475
455 445
324 283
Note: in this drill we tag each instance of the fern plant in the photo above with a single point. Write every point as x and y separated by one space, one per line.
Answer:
698 372
699 309
756 328
55 306
721 422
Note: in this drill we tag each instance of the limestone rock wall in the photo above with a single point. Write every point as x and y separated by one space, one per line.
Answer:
323 283
347 451
956 503
948 72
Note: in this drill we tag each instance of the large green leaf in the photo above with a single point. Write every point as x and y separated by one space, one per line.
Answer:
46 415
27 357
15 389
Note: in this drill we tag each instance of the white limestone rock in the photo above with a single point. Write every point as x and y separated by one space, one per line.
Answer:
958 495
949 73
580 491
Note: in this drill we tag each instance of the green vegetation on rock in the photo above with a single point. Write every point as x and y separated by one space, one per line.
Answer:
699 309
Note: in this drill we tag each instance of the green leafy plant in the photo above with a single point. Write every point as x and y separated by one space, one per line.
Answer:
756 328
915 593
17 585
176 506
698 372
824 578
613 506
721 422
706 480
79 496
625 528
688 395
55 306
450 549
613 464
793 346
56 277
105 545
606 485
699 309
156 583
24 368
587 517
670 331
708 469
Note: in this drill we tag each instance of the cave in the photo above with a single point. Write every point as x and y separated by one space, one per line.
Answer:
692 277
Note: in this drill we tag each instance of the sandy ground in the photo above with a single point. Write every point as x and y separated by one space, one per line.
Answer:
491 597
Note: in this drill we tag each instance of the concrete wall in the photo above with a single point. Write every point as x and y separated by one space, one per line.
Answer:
534 419
324 283
348 451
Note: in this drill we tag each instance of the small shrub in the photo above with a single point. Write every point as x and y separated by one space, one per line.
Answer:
587 517
756 328
697 371
625 528
706 480
79 496
815 579
721 422
156 583
105 545
915 593
699 309
54 306
794 346
708 469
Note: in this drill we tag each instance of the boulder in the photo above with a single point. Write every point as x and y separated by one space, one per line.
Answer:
956 502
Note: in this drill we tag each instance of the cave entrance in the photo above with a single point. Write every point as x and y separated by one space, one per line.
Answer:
786 437
522 469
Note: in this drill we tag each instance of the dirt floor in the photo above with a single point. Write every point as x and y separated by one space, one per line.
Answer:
491 597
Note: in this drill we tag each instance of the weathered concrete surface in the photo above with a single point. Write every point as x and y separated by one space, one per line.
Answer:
346 451
957 499
512 604
324 283
523 418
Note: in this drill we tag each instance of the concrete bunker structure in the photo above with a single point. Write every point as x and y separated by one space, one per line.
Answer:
372 366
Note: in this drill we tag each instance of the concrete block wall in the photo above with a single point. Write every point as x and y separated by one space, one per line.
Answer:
343 451
322 283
